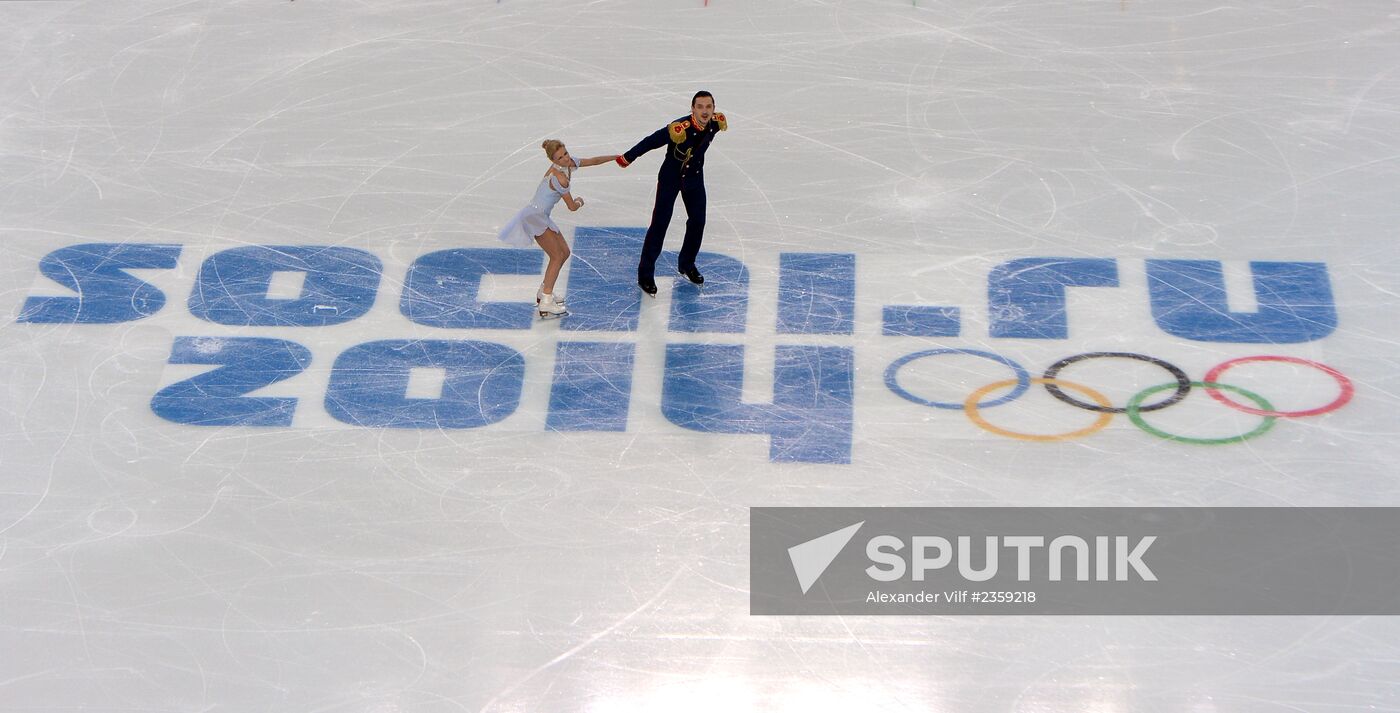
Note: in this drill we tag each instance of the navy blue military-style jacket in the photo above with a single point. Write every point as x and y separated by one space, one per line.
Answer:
685 145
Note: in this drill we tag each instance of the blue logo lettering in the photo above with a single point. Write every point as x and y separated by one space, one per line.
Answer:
369 386
106 293
232 288
216 398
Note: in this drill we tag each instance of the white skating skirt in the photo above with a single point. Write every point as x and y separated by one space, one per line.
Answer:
529 223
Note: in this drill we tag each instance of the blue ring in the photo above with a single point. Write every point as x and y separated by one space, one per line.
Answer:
1023 378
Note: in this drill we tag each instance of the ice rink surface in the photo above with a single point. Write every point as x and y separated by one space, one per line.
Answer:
398 492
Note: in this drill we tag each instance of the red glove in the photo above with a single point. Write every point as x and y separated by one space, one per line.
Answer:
622 161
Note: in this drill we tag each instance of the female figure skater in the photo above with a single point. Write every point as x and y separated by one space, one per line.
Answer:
532 223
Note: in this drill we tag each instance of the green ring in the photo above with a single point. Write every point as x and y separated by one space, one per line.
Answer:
1135 414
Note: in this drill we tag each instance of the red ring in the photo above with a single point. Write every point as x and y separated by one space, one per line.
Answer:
1348 390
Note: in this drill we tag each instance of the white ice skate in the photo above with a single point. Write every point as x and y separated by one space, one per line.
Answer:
558 298
550 308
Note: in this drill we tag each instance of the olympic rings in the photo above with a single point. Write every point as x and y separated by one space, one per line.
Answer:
1348 390
975 415
1023 377
1181 385
1183 382
1134 413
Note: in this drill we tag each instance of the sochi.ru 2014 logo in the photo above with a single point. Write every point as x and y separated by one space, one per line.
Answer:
810 417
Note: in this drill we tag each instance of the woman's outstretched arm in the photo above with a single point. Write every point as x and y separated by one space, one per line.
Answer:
595 160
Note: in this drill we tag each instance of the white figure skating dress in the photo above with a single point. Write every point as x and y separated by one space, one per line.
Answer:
533 219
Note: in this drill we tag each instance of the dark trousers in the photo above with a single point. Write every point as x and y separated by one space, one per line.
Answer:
692 191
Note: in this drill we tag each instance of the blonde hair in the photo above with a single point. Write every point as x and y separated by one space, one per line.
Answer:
550 146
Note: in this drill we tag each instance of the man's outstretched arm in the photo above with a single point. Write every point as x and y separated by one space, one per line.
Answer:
655 141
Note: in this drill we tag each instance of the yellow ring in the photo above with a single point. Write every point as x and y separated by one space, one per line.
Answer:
970 408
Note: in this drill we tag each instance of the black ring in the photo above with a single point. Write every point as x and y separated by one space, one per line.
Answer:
1183 382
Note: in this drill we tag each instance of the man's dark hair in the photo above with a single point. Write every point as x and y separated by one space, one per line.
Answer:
701 93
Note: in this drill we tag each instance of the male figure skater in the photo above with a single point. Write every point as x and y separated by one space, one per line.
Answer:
683 172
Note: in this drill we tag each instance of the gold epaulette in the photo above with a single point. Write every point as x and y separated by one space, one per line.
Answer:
678 131
723 125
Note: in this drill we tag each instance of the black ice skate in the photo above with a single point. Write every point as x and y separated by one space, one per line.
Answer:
693 275
648 285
